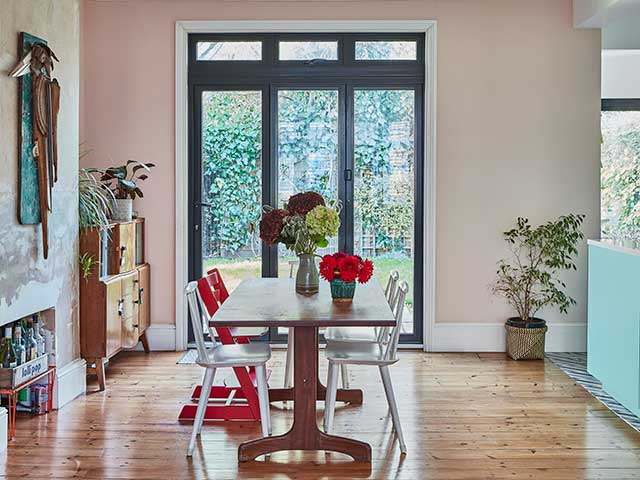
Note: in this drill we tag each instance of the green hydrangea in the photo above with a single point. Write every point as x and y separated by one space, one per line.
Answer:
323 222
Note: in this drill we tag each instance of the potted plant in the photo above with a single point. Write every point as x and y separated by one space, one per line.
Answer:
529 279
123 183
342 271
303 226
94 200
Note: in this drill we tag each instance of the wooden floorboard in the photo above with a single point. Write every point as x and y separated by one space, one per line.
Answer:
465 416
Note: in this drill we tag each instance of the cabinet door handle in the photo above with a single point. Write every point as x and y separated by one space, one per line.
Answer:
140 292
123 249
121 307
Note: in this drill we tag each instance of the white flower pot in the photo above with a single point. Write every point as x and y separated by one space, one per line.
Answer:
122 210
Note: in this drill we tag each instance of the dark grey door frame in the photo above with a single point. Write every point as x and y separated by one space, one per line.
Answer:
270 75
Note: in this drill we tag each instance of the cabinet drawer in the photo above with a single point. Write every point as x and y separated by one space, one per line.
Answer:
144 296
113 317
122 257
130 332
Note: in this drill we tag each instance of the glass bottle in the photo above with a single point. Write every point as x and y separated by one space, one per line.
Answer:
18 345
7 353
30 342
37 333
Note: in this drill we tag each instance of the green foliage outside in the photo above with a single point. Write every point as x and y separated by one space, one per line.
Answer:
307 135
620 175
231 147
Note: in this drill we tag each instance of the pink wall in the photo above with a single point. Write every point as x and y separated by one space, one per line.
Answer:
518 110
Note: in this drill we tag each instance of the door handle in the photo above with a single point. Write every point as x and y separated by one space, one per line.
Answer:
204 204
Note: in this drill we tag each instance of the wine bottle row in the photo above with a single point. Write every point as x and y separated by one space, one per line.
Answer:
23 341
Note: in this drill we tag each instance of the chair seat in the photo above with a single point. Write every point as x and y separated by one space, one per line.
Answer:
248 331
357 353
351 334
240 355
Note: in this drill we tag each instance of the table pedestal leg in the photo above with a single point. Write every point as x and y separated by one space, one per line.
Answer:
304 434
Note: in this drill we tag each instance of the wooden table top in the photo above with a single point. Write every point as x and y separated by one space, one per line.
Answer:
273 302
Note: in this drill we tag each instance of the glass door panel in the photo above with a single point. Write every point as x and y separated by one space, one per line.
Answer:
384 185
308 149
231 139
307 156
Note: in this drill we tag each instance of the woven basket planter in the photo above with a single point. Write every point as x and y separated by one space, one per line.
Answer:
525 343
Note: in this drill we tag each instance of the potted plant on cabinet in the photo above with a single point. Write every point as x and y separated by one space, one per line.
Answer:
529 279
124 185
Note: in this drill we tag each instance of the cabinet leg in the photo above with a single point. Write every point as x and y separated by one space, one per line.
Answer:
101 364
145 342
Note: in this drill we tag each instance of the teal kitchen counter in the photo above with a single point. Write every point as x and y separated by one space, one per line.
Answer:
613 339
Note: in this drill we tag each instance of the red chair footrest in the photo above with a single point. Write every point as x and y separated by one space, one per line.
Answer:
218 412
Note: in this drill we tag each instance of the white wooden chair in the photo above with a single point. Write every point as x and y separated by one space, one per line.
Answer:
380 354
361 334
224 356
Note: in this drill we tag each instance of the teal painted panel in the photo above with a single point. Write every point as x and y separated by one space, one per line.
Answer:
613 343
29 205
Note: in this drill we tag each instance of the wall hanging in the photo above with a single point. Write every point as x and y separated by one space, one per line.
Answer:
38 106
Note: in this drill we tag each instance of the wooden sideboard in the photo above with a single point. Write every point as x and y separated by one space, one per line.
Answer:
114 298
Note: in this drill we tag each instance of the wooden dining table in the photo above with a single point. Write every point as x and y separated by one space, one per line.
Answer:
273 302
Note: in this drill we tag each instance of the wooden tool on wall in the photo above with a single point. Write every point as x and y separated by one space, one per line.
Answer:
39 103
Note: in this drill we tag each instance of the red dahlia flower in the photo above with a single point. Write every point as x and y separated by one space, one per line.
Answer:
303 203
366 271
271 225
328 267
348 267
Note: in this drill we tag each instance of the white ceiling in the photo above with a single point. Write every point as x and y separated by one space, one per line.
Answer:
618 19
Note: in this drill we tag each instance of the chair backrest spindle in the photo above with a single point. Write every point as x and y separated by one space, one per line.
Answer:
391 288
398 310
390 293
199 317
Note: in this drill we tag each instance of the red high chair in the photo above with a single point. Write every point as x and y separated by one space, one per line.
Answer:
213 292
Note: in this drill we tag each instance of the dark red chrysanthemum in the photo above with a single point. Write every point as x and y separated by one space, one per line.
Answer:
303 203
366 271
328 267
271 225
348 267
339 255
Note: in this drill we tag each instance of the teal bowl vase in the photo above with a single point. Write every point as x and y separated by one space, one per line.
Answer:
342 291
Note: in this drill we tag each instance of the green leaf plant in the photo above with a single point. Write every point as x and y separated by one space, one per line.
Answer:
529 279
123 181
87 262
95 201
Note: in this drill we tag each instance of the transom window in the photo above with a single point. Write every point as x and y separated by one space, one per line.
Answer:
386 50
308 50
229 51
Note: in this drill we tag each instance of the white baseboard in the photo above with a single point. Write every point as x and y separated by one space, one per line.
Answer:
161 338
478 337
71 381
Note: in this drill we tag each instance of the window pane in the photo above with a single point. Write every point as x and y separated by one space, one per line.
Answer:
620 195
231 184
229 51
308 50
394 50
384 179
308 148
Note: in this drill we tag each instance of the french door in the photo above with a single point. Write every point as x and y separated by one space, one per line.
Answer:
266 128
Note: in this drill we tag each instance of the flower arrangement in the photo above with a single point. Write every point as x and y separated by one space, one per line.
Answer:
347 268
303 226
342 271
